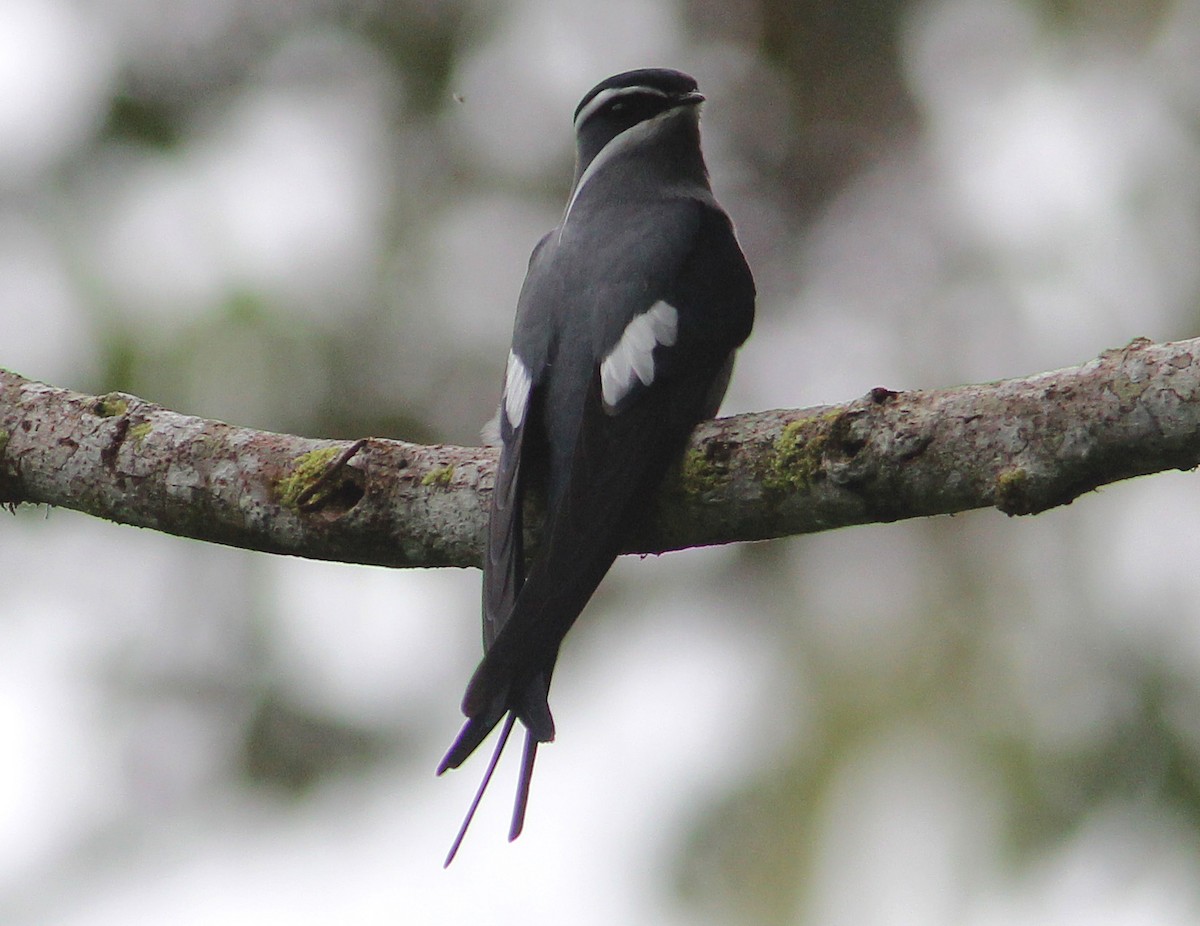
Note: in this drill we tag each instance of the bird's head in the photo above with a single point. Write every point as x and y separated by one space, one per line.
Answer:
652 112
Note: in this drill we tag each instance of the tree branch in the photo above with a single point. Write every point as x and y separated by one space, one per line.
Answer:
1022 445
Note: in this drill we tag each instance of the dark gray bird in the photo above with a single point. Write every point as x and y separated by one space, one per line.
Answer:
625 334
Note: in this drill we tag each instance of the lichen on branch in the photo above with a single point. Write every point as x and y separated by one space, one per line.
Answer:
1022 446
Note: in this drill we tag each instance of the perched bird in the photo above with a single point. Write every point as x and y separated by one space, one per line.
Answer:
626 328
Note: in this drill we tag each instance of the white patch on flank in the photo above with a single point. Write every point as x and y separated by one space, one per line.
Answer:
516 390
633 357
489 434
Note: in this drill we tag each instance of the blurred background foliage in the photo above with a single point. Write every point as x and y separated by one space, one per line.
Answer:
313 216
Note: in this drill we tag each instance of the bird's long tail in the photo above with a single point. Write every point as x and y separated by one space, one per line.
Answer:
487 777
522 799
523 782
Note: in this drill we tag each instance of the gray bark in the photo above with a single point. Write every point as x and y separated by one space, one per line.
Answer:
1022 446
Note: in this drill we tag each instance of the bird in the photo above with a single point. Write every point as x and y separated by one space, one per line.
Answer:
626 328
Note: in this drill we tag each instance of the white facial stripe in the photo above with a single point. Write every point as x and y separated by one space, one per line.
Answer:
623 142
516 390
604 96
633 357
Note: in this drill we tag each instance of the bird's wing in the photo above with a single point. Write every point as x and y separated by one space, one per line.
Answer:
617 465
621 451
504 571
504 557
671 349
616 468
504 566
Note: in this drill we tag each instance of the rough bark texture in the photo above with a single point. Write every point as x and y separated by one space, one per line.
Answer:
1022 445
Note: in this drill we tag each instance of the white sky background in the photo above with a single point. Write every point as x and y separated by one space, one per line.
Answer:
1049 212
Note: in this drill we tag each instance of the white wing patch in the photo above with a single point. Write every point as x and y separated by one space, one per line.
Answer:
632 359
517 383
